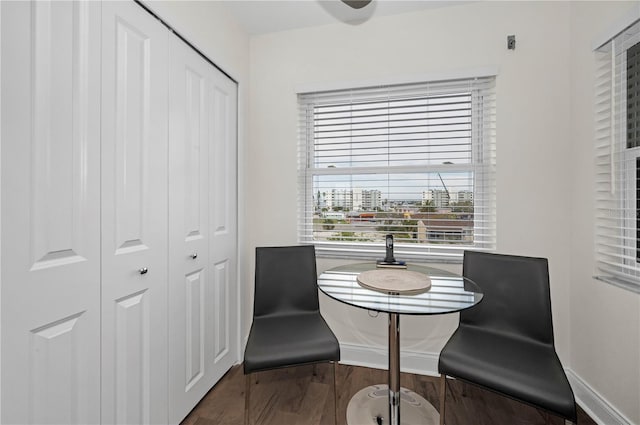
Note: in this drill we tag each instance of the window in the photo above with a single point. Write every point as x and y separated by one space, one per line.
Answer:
618 160
413 160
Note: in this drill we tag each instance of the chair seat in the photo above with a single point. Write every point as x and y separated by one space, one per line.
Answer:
516 367
281 341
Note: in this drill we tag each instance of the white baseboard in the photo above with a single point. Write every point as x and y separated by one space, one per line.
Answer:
420 363
410 361
593 403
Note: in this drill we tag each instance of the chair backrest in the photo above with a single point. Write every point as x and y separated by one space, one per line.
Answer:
516 295
286 280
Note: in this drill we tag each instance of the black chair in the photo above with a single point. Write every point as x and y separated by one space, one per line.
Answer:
505 343
287 328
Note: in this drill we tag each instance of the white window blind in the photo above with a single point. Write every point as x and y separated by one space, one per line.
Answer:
413 160
617 153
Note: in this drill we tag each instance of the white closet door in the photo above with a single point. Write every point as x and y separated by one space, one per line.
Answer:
134 215
190 340
50 212
202 211
223 213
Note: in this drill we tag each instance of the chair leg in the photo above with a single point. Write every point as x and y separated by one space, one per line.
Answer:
443 396
247 399
335 394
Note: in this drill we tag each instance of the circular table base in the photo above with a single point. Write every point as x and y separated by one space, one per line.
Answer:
370 406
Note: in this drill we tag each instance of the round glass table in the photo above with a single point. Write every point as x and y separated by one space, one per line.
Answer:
448 293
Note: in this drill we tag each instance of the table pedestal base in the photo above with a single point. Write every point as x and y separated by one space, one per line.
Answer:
370 406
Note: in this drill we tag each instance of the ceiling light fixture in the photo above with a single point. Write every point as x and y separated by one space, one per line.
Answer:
356 4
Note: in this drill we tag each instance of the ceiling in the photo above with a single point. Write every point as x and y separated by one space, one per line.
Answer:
265 16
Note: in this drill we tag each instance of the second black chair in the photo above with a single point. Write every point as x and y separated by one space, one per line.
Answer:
505 343
287 328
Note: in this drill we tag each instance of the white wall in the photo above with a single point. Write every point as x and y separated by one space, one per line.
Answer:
604 320
544 161
533 131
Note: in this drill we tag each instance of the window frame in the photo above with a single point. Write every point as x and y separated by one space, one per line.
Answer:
482 165
617 192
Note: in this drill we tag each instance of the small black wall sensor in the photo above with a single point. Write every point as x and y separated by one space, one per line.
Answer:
511 42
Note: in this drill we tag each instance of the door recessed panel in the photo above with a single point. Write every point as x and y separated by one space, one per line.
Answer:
55 372
193 149
132 359
221 309
60 132
220 170
132 118
195 309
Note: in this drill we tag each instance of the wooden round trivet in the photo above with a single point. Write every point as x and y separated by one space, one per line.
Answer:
395 281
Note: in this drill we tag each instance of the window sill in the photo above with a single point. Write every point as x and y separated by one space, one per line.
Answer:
620 283
442 255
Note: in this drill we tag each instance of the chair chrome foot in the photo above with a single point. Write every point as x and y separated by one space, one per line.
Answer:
247 399
335 392
443 395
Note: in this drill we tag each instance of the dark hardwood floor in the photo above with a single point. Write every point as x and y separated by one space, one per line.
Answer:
294 396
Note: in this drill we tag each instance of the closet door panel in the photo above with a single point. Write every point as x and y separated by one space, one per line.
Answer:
134 215
220 317
132 359
50 212
195 329
223 219
190 339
